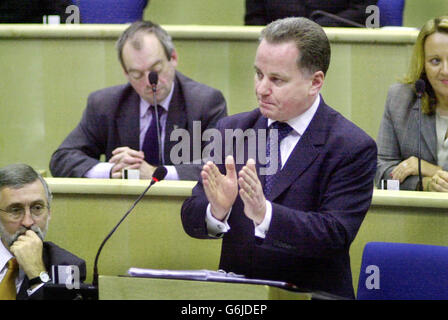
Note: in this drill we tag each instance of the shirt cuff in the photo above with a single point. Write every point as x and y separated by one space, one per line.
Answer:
216 228
30 292
262 229
100 171
171 173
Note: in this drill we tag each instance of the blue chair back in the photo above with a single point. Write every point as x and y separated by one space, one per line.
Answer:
391 12
110 11
401 271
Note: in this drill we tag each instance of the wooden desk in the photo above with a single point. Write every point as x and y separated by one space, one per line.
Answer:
85 210
126 288
50 70
402 216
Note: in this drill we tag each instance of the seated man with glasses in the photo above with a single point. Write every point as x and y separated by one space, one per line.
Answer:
25 259
122 124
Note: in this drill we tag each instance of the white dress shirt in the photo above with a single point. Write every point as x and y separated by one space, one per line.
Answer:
299 124
102 169
442 143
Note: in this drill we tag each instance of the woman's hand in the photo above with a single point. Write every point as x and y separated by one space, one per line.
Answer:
439 182
409 167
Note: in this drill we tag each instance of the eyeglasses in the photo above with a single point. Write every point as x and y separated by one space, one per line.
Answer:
17 213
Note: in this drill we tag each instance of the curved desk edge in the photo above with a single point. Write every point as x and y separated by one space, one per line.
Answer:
126 187
409 199
113 31
184 188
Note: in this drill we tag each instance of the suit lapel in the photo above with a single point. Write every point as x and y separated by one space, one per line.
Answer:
303 154
176 118
429 135
428 131
128 122
261 124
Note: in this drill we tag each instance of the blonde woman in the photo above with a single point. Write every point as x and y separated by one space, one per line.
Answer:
399 130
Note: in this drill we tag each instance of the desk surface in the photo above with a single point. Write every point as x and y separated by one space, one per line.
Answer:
107 31
47 104
183 189
85 210
119 187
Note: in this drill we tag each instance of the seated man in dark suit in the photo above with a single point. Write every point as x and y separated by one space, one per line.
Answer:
32 11
120 121
262 12
25 258
293 223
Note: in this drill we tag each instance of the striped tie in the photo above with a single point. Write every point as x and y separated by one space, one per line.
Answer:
283 130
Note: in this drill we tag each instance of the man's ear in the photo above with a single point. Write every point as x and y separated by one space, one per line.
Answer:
174 58
125 73
317 82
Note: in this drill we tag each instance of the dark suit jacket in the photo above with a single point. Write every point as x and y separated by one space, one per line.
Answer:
112 119
32 11
262 12
53 255
319 201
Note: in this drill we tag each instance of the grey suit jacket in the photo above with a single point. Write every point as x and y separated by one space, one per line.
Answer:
112 119
399 133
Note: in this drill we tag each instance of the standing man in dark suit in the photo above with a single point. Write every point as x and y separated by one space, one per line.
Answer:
262 12
295 225
25 259
118 121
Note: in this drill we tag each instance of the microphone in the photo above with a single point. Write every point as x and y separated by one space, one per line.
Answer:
158 175
420 89
335 17
153 78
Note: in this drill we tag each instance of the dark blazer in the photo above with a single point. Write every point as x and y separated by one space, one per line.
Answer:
262 12
112 119
53 255
399 134
319 201
32 11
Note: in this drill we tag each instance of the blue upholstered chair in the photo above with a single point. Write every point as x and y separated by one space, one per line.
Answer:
110 11
391 12
401 271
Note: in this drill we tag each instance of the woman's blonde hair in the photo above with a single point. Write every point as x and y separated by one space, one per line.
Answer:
417 66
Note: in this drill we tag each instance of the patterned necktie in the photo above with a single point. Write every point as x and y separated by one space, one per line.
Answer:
8 284
283 130
150 144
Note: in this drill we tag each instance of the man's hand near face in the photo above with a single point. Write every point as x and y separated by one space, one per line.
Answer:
28 251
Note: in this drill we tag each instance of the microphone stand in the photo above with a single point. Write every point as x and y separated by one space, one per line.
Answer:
159 139
419 89
420 180
159 174
335 17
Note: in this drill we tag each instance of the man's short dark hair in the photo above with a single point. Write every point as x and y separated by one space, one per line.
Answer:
147 27
16 176
310 40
